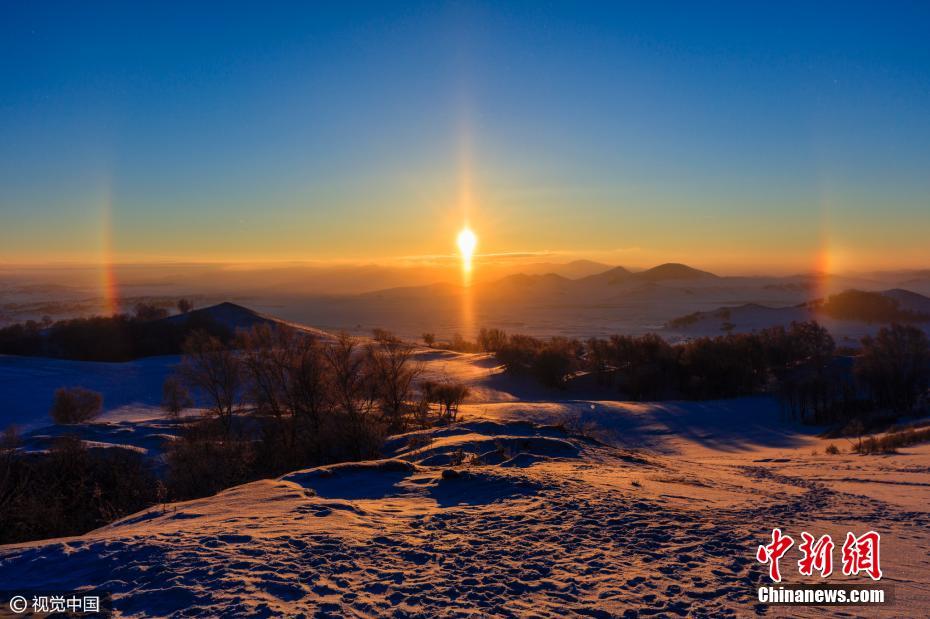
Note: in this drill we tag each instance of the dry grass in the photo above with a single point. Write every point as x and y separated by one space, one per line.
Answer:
890 443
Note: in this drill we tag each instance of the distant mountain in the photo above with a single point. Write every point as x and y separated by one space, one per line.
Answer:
851 306
909 301
672 271
609 277
522 280
522 287
233 317
575 269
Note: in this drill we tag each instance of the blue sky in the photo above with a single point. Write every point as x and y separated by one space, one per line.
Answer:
725 135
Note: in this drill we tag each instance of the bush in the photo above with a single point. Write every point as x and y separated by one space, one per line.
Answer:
70 490
491 340
75 405
447 395
206 459
832 449
890 442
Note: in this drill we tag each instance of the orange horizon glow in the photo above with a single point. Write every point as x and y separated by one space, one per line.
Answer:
109 284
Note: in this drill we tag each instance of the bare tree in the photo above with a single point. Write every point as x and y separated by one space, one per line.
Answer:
354 394
310 389
393 373
383 336
265 363
13 481
289 379
215 370
448 396
352 389
175 397
146 312
429 339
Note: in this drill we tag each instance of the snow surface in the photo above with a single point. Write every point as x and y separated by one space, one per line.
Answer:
130 390
562 507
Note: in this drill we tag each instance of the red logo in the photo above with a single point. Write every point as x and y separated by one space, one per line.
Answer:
860 554
773 552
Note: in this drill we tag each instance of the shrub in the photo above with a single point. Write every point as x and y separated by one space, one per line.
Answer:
75 405
832 449
448 395
491 340
205 460
70 490
889 443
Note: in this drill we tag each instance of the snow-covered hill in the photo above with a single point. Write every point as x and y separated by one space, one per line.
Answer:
537 503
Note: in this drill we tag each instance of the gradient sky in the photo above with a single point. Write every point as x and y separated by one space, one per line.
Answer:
737 137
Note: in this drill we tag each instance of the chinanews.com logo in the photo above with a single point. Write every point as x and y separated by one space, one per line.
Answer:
860 556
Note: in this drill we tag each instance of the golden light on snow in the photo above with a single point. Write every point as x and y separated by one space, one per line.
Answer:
467 241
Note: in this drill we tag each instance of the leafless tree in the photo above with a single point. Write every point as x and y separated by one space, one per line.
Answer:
147 312
174 396
447 395
215 370
288 379
354 394
265 363
393 373
12 481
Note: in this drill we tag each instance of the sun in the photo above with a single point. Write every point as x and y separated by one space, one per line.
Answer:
467 242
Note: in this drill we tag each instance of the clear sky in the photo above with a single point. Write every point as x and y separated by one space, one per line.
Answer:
730 136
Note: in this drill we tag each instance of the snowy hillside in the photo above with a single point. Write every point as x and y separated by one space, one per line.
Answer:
547 508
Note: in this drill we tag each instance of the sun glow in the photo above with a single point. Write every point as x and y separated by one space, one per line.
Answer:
467 241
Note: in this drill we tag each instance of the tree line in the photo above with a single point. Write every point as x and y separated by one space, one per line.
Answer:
120 337
801 364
